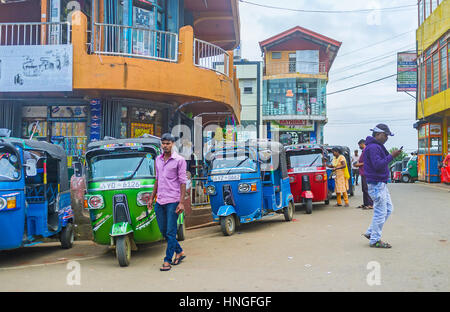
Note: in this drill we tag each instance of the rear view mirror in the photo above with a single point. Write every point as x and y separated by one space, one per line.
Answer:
30 165
77 169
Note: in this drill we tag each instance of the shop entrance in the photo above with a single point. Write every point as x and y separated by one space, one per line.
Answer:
137 121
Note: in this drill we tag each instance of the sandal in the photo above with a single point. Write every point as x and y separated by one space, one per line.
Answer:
178 260
366 236
381 244
165 267
361 206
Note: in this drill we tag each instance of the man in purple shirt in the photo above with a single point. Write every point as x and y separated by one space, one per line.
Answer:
170 189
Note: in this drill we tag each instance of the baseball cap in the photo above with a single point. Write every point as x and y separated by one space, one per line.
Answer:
382 128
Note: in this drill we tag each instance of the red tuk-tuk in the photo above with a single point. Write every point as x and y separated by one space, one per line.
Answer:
307 174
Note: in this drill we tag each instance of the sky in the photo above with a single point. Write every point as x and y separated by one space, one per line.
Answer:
352 113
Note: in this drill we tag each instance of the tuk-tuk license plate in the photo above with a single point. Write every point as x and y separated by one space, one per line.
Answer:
105 186
227 177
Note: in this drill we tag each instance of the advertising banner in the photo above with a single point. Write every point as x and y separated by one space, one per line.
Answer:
36 68
406 72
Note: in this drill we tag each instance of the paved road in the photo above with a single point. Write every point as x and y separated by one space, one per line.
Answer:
319 252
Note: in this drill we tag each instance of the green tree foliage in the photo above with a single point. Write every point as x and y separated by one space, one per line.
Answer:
399 157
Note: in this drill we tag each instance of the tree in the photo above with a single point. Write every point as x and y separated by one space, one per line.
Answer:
399 157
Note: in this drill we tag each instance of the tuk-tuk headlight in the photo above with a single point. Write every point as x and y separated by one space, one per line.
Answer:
211 190
11 202
3 203
143 198
244 188
95 202
318 178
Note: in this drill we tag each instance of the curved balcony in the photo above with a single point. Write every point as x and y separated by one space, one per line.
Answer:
158 66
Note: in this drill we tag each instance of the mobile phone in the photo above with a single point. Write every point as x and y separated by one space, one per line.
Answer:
401 148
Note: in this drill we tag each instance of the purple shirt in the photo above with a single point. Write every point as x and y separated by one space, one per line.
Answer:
170 175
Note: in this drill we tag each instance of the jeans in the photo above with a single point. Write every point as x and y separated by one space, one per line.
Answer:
167 222
382 209
355 175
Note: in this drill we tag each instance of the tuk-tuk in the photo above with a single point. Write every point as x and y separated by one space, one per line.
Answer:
396 171
34 194
409 174
120 175
348 158
247 181
306 165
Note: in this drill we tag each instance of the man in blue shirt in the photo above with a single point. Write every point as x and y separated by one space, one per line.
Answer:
376 169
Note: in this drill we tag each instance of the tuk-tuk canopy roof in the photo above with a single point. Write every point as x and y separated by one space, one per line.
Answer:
298 147
54 150
151 140
260 145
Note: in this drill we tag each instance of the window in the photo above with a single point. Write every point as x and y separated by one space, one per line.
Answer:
420 12
428 77
435 73
444 68
427 8
276 55
248 87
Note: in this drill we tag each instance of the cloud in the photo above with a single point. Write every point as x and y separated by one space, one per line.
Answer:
355 31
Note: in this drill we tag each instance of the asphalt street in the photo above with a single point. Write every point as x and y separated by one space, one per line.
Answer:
323 251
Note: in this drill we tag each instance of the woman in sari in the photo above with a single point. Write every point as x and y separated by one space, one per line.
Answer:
339 166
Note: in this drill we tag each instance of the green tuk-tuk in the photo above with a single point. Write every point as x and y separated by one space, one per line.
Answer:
409 173
120 175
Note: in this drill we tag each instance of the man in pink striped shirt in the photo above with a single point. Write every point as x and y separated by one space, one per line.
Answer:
170 189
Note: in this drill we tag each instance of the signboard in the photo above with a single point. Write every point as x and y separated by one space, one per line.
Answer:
406 72
36 68
293 125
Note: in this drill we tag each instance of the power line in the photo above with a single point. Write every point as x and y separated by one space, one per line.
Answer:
361 85
377 43
331 11
364 72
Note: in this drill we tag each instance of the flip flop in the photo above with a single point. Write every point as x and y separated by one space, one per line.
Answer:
177 261
165 267
361 206
366 236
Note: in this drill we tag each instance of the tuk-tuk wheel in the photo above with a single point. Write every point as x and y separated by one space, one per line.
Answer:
181 232
289 212
66 237
123 250
308 206
406 178
228 225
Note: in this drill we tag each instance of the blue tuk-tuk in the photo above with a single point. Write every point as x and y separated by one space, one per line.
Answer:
248 181
34 193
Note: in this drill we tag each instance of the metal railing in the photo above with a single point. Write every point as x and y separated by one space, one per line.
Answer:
120 40
22 34
301 67
210 56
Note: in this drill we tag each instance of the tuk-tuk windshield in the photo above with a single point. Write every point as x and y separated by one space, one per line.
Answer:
9 164
304 159
230 162
121 166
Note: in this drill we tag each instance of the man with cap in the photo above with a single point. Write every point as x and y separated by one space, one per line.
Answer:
376 170
170 189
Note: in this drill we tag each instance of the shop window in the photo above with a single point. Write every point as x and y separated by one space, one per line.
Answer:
436 145
423 146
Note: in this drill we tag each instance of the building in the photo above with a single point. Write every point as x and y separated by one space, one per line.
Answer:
433 94
249 74
76 71
296 66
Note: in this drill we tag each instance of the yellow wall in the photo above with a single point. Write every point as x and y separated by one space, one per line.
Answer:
182 80
435 104
436 25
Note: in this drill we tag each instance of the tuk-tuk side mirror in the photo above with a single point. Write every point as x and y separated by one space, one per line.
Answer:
77 169
30 165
